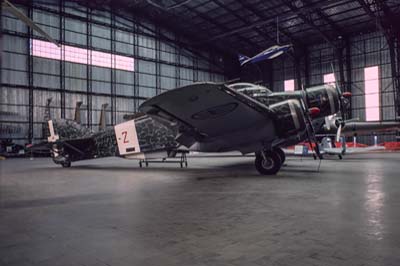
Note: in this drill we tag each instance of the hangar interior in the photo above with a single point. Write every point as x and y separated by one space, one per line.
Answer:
115 56
129 51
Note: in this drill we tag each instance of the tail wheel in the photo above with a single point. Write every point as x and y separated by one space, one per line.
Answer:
66 164
281 154
268 162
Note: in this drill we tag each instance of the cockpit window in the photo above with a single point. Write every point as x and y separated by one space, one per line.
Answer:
250 89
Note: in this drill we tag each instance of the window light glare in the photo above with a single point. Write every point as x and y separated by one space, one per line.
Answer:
80 55
289 85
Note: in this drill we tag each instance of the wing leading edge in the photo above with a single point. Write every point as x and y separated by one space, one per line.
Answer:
209 110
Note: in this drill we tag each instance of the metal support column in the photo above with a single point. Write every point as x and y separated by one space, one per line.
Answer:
195 69
30 80
339 58
135 72
113 73
158 64
178 69
1 44
62 61
306 69
89 68
349 79
395 74
271 76
297 71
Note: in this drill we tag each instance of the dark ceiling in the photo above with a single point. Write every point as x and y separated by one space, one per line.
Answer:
249 26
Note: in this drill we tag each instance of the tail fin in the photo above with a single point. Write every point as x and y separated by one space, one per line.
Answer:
103 121
77 116
242 59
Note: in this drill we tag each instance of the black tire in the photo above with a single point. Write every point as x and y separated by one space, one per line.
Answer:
281 154
270 166
66 164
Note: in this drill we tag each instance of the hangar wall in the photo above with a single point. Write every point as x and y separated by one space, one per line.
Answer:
366 50
28 81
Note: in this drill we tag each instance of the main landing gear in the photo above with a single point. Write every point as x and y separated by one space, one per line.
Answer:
269 162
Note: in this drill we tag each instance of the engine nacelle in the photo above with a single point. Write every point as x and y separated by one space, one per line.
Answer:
324 97
289 117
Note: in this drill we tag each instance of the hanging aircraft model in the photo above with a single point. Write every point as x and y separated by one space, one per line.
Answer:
205 117
270 53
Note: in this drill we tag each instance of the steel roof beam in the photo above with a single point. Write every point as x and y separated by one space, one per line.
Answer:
268 21
271 24
309 22
225 7
371 14
220 26
326 19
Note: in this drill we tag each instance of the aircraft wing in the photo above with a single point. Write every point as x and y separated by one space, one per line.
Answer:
206 110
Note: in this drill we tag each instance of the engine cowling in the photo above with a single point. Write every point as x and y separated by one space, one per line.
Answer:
324 97
289 117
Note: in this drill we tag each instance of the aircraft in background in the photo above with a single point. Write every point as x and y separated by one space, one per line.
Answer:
270 53
334 126
332 135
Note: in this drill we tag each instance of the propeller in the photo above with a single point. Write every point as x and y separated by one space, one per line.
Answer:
342 103
16 12
339 131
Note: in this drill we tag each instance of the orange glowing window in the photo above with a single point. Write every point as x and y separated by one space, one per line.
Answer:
80 55
289 85
372 102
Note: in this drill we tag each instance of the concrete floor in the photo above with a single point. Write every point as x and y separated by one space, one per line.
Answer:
219 211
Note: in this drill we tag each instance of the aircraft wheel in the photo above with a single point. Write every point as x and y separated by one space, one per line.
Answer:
269 164
281 154
66 164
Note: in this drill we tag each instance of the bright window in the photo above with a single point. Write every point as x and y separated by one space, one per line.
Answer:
81 56
329 79
289 85
372 103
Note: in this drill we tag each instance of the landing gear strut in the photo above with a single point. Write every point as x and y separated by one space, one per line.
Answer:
281 154
268 162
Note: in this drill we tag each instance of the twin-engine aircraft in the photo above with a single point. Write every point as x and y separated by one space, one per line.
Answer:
205 117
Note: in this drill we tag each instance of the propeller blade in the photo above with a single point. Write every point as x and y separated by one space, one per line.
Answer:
339 131
16 12
327 123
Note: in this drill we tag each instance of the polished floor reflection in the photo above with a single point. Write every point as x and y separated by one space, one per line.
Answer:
219 211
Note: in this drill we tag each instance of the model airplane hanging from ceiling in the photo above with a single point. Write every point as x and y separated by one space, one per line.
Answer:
204 117
270 53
